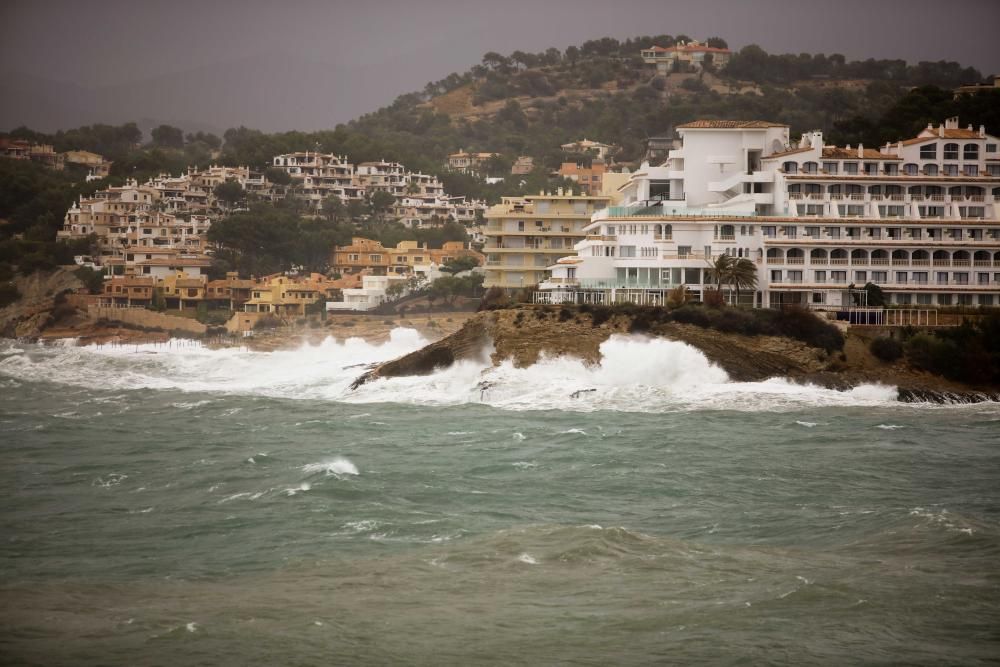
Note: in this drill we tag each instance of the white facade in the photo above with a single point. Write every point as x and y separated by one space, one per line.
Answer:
920 218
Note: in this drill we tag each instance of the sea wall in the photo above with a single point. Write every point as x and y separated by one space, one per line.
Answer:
148 319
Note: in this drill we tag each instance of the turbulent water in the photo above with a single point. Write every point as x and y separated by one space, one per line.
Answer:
178 505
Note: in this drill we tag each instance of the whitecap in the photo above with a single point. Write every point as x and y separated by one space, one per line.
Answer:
578 431
518 436
806 424
338 466
889 427
527 558
524 465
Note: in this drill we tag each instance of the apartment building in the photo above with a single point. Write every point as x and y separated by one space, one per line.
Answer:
920 218
588 178
408 258
526 235
317 176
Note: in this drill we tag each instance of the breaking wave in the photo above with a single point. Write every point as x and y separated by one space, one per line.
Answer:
635 374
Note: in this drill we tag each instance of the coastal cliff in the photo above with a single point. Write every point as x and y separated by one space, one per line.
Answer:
523 334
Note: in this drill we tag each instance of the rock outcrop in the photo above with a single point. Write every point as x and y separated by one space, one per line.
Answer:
523 334
28 316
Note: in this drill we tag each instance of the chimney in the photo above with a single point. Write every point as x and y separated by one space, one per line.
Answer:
941 131
861 150
951 123
982 131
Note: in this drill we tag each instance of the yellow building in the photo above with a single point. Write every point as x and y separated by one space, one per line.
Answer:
367 254
524 235
287 297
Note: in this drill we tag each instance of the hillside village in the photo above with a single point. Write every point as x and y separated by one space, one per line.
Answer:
286 225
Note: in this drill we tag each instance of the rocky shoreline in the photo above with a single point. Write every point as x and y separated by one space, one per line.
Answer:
524 333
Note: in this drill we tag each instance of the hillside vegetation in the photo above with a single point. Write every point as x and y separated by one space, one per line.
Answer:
524 104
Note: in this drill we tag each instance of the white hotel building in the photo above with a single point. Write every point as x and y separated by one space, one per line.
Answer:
920 218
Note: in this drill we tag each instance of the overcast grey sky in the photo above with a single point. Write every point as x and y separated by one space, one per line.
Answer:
185 60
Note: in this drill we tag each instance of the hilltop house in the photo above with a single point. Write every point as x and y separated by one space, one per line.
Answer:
685 57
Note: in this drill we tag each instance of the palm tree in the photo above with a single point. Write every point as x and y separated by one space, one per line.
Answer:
742 275
720 270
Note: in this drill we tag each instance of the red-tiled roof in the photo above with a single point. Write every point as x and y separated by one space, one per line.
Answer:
837 153
729 125
689 48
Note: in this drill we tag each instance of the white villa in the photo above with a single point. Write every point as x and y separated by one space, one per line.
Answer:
920 218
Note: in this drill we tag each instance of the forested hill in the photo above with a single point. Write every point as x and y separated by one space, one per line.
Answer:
531 103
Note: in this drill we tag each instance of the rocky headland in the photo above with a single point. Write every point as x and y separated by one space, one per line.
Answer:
524 333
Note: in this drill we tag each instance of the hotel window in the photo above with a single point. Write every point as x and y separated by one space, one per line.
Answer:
972 170
928 152
850 167
892 169
871 168
951 151
776 276
983 278
985 299
880 277
910 169
810 168
683 251
794 276
924 299
920 277
970 152
875 232
819 276
903 299
353 258
915 233
931 169
520 225
991 148
790 231
951 170
942 278
375 258
790 167
838 276
964 299
993 170
961 278
901 277
626 251
769 231
860 276
830 167
812 232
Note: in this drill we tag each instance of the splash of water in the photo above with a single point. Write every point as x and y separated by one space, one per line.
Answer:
635 374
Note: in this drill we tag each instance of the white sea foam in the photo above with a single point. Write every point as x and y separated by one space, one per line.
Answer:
806 424
889 427
338 466
578 431
635 374
527 558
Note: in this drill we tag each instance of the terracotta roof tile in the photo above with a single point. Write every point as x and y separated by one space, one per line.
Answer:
729 125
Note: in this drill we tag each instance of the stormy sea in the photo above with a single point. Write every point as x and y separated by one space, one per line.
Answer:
174 504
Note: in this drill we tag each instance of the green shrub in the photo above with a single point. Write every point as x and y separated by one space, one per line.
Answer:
886 349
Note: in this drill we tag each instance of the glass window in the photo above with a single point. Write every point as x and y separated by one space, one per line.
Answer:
850 167
951 151
970 152
928 152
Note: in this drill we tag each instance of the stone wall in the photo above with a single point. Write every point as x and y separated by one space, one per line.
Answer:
140 317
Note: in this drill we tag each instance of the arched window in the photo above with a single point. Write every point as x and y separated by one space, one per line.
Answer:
810 168
790 167
910 169
727 231
931 169
971 152
951 151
